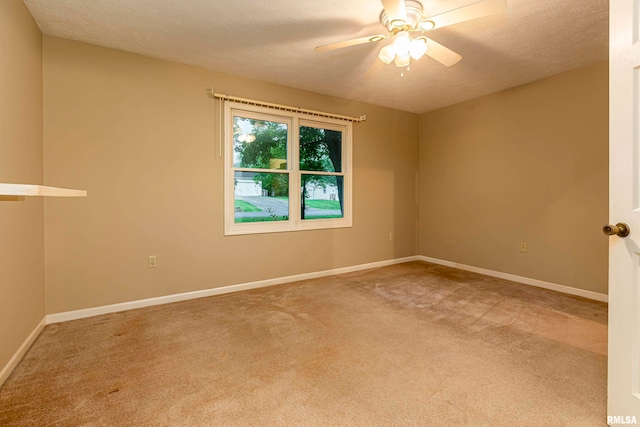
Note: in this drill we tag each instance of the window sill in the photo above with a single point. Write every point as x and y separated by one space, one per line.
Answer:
285 226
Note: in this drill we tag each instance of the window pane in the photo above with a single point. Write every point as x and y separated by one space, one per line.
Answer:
261 197
259 144
322 196
320 149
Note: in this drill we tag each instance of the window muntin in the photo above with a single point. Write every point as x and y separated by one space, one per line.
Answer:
285 171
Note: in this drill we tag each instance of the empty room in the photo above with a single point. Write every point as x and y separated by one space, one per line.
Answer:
329 213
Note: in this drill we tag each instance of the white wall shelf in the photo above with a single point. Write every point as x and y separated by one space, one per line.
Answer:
39 190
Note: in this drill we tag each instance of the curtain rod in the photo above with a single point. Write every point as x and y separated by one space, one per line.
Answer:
213 94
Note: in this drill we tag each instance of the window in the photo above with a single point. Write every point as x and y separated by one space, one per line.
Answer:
285 171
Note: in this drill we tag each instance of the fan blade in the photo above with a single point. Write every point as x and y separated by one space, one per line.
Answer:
466 13
352 42
395 9
442 54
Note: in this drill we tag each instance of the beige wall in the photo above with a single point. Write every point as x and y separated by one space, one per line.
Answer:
140 135
21 222
528 164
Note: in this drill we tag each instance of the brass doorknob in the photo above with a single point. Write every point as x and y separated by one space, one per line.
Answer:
620 229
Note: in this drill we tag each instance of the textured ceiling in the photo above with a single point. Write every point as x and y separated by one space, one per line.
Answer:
274 41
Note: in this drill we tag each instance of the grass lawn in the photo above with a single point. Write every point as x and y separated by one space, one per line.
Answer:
323 204
260 219
322 216
246 207
282 218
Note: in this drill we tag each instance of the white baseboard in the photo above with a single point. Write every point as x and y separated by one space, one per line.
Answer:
89 312
95 311
524 280
17 357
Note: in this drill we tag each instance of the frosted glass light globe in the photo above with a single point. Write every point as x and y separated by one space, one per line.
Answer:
387 54
402 60
402 43
418 48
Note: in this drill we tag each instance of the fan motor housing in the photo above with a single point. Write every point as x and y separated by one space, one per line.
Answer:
414 15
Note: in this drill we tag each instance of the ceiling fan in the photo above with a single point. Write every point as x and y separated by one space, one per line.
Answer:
403 19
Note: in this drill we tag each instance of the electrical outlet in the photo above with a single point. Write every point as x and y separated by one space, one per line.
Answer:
152 261
523 247
391 236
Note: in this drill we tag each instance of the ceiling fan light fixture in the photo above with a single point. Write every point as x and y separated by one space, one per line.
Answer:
418 48
402 60
402 43
404 18
426 25
387 54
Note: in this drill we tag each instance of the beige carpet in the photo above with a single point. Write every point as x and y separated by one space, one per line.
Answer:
408 345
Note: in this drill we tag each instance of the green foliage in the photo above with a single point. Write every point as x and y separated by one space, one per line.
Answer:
314 153
275 217
270 143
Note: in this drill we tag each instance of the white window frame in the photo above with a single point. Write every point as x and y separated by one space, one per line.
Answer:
294 121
